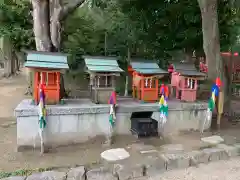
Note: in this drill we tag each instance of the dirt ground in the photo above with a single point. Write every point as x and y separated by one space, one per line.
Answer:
12 92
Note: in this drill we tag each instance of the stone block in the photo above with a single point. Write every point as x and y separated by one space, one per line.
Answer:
141 147
172 148
144 178
76 173
149 152
213 140
100 174
197 157
123 123
214 154
183 160
48 175
211 154
175 161
238 147
15 178
153 165
125 171
114 156
27 131
231 151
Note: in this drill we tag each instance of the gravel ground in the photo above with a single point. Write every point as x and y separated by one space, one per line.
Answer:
221 170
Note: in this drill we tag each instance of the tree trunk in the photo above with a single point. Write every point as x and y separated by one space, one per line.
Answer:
19 60
41 25
7 56
105 43
211 44
56 10
7 68
58 13
127 78
47 22
188 54
126 86
15 62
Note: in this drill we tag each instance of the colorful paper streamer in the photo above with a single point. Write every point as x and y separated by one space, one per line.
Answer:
42 115
42 108
112 115
163 104
212 101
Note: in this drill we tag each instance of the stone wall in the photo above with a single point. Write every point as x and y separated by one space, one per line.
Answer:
77 123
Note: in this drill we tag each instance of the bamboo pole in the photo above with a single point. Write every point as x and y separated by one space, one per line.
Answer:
220 108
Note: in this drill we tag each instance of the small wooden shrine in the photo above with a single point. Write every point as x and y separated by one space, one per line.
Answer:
184 81
47 70
103 72
145 83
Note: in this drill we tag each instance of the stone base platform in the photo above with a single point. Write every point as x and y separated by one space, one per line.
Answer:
78 121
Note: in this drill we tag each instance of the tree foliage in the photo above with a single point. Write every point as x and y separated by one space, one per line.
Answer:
177 24
148 29
16 23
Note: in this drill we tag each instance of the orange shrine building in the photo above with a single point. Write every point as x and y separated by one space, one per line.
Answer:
47 68
145 79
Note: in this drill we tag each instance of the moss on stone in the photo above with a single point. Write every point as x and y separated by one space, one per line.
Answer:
23 172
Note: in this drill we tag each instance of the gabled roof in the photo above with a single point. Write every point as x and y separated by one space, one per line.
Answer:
187 69
102 64
144 66
49 60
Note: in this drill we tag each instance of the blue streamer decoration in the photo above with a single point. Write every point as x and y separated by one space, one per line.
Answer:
216 89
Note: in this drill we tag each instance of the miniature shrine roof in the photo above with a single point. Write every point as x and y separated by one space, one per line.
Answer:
49 60
187 69
146 67
102 64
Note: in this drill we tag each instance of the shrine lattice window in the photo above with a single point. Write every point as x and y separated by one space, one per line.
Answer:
190 83
103 81
149 83
48 78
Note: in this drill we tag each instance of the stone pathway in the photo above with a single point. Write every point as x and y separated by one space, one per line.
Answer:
148 166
